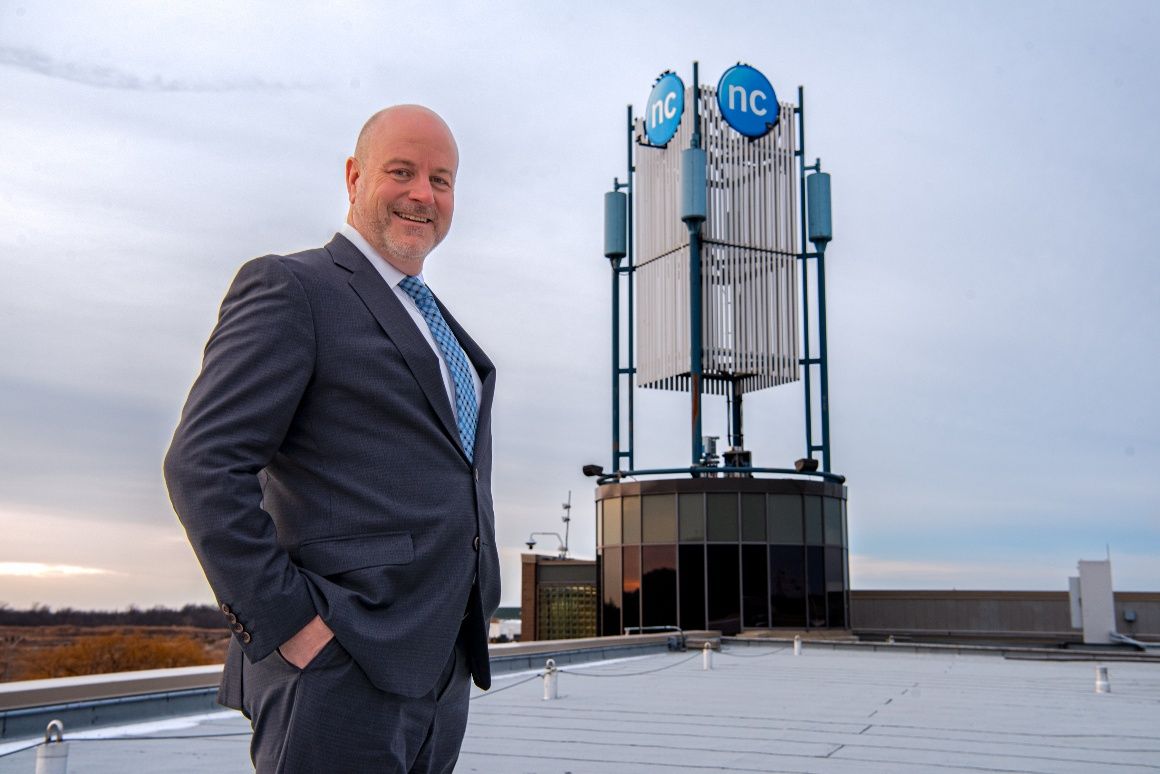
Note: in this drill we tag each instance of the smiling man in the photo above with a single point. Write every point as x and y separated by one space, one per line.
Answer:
401 181
332 469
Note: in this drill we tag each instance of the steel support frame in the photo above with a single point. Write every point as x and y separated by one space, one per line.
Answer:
620 371
808 361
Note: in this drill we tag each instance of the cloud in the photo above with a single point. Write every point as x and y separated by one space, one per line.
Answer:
875 572
78 560
991 397
42 570
105 77
1132 571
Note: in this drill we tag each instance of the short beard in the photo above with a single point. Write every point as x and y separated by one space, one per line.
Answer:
397 254
406 252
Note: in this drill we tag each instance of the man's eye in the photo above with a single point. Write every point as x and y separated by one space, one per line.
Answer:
442 182
401 174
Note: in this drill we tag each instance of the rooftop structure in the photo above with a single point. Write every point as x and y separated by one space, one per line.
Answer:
761 708
703 242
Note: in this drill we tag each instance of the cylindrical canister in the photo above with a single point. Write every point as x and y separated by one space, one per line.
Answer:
693 194
615 225
818 207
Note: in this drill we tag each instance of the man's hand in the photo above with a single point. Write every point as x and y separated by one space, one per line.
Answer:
301 649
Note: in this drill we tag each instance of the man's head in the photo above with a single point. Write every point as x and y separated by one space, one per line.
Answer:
401 184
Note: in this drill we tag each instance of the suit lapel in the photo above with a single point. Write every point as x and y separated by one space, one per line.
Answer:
399 327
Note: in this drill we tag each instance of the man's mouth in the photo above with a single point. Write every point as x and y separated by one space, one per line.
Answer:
412 218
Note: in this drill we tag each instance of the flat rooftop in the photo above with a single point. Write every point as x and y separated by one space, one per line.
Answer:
760 709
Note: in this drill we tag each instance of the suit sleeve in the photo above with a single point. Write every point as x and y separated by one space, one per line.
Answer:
257 364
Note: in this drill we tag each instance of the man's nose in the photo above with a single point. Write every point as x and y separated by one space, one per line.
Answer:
421 191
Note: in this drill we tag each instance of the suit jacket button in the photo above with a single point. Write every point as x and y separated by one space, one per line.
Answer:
475 543
231 618
246 638
225 608
239 628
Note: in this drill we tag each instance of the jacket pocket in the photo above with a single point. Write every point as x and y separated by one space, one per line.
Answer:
338 555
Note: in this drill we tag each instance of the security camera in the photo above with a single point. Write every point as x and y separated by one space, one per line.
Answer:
531 544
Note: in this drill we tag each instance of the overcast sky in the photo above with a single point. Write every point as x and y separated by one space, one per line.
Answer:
993 280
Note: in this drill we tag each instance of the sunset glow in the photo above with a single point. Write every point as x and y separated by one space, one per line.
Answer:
41 570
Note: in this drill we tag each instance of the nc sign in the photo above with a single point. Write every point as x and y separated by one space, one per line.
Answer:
666 104
747 101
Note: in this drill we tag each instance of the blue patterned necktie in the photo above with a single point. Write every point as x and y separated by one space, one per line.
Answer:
466 405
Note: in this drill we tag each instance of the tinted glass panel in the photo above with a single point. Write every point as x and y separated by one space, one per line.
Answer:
631 559
722 517
612 521
659 585
631 520
610 592
754 591
835 591
658 518
846 581
816 585
753 517
600 523
835 578
724 588
692 582
787 587
832 520
813 506
837 609
785 518
692 513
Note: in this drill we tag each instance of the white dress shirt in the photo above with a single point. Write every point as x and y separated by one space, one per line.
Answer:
393 277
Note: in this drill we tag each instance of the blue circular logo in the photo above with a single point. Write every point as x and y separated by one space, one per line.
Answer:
662 113
747 101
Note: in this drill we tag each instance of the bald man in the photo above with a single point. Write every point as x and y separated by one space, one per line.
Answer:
332 469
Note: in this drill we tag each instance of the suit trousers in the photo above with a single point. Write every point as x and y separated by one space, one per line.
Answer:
329 719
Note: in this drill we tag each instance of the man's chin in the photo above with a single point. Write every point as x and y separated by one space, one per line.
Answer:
406 252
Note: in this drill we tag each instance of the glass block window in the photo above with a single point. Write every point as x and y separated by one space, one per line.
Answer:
565 612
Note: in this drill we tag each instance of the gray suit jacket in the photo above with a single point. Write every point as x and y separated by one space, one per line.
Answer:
317 468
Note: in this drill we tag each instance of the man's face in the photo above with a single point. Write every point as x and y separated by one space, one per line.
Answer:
401 184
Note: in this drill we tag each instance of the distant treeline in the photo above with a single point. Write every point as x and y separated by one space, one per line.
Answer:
200 616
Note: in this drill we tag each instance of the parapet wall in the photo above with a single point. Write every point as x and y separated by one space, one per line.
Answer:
1002 615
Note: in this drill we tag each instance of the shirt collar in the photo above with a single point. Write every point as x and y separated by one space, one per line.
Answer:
392 275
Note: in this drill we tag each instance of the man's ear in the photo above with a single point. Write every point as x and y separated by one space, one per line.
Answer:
352 175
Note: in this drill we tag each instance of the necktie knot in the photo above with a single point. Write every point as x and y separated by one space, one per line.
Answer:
418 291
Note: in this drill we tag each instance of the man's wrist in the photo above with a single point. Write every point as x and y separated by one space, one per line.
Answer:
301 649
